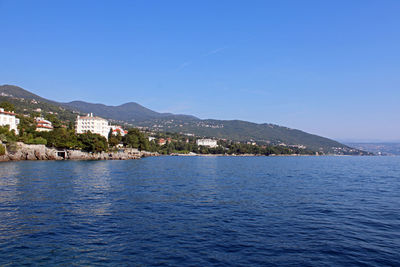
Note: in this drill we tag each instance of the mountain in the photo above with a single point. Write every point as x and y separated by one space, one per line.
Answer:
129 112
135 114
18 92
26 102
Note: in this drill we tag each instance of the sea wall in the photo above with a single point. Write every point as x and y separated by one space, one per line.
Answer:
40 152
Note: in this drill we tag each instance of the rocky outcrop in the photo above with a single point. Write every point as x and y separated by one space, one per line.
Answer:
31 152
41 152
120 155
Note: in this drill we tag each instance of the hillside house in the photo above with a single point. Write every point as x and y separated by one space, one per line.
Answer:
162 141
8 118
118 129
207 142
43 125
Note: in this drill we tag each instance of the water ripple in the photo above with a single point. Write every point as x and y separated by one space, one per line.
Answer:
216 211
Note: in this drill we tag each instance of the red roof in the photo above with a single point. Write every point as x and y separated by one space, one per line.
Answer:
8 113
44 126
120 130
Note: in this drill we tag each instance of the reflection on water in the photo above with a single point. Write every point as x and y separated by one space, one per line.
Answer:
91 185
8 182
8 188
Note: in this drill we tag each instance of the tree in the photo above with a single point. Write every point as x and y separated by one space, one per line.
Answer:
7 106
26 124
6 135
61 138
135 139
54 120
93 142
34 114
114 140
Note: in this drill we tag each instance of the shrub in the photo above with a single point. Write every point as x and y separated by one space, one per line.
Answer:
37 141
12 147
6 135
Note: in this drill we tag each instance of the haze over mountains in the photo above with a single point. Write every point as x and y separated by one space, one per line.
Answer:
137 115
382 149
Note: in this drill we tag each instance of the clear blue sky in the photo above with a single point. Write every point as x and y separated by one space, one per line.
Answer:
327 67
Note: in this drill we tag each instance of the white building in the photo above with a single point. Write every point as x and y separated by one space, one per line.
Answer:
8 118
207 142
43 125
93 124
118 129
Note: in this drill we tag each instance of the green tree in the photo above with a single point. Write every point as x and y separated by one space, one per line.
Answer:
34 114
26 125
93 142
114 140
36 140
135 139
54 120
7 106
6 135
61 138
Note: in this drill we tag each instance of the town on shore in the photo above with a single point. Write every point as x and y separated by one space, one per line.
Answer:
42 136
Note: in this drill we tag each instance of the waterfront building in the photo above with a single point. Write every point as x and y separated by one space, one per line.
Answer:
93 124
207 142
118 129
162 141
8 118
43 125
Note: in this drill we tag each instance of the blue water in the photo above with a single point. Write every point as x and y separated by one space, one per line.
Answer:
202 211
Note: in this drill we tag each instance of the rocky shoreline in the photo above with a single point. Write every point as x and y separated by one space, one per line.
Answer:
41 152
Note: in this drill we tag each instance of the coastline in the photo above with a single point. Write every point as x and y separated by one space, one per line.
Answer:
260 155
239 155
41 152
24 152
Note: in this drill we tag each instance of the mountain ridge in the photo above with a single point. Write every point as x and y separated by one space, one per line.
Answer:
121 112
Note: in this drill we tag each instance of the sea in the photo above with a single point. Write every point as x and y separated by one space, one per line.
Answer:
201 211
